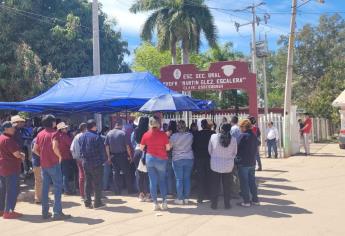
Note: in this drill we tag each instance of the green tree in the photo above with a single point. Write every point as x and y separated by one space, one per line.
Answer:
148 58
317 49
275 74
177 22
329 87
24 76
56 38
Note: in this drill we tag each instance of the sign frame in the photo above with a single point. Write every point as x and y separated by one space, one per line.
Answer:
223 75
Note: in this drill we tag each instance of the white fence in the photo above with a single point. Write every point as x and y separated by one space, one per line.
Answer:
321 127
277 120
321 130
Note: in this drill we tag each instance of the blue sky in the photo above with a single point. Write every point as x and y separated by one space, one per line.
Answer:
279 23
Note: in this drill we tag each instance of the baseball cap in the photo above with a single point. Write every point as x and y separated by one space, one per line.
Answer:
6 125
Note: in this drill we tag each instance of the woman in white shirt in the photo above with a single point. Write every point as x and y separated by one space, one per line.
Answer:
223 149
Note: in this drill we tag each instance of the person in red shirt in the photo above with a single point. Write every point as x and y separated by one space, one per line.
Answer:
156 144
306 130
10 167
62 141
51 168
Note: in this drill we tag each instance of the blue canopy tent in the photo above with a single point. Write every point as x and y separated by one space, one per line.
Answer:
103 93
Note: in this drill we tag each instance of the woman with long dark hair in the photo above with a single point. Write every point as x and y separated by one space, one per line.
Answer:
223 149
143 179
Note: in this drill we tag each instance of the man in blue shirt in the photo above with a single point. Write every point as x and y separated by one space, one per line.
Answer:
235 129
92 153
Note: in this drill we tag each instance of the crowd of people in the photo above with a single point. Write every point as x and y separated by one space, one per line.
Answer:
145 157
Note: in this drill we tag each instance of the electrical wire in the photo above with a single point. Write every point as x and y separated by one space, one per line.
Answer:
39 17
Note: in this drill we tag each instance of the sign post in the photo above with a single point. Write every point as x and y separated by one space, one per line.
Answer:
224 75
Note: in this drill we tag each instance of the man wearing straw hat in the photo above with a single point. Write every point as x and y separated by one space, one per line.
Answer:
18 123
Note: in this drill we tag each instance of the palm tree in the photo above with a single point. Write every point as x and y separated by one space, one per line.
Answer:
177 22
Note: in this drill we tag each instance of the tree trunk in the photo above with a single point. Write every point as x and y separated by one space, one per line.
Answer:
237 108
185 56
173 54
185 52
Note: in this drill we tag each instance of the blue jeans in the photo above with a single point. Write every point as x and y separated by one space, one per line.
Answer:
68 169
183 170
170 178
156 169
107 169
247 183
9 189
272 143
52 174
258 159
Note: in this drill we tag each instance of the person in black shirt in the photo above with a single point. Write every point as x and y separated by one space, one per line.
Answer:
92 153
202 159
246 160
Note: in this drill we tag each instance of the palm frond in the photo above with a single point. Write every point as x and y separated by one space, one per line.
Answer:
149 26
149 5
205 20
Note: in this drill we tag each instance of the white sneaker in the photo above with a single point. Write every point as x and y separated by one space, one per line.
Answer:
164 206
186 201
141 198
156 207
178 202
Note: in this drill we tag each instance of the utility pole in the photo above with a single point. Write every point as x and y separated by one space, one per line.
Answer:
265 79
288 83
288 80
95 34
95 52
255 21
253 39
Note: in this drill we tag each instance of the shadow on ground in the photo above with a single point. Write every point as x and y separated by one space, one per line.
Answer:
120 209
272 205
78 220
278 171
66 205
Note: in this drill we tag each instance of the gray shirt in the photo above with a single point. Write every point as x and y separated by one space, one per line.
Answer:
116 139
181 144
75 147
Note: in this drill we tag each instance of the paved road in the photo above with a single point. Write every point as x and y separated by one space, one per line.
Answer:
300 196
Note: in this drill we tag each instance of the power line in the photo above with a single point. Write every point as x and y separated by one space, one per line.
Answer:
247 11
42 18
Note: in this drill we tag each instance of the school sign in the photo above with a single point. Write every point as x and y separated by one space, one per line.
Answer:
221 76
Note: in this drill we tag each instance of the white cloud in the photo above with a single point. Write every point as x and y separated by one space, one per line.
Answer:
129 23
